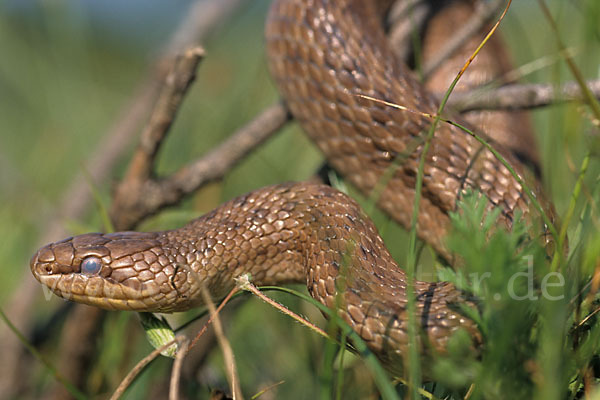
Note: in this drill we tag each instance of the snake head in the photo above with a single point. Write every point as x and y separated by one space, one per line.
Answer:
116 271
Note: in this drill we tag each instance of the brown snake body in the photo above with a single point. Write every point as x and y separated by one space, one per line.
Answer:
321 54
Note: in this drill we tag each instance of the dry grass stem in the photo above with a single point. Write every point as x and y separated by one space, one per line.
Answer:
521 96
244 283
210 319
139 367
176 372
228 355
267 389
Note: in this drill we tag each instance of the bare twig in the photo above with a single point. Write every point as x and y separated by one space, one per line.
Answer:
139 199
139 367
205 327
520 96
176 372
177 83
228 355
202 18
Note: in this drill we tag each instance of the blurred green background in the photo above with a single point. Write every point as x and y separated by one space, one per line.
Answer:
67 69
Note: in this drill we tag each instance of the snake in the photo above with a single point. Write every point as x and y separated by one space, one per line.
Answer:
322 55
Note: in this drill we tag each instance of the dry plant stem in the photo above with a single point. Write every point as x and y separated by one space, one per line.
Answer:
176 372
139 199
205 327
267 389
177 83
482 16
521 96
228 356
139 367
245 284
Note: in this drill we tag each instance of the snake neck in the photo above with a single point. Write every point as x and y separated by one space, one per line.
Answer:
286 233
313 233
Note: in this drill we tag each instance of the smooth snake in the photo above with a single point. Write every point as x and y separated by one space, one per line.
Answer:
321 54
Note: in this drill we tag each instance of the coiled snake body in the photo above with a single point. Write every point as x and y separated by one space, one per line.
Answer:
321 53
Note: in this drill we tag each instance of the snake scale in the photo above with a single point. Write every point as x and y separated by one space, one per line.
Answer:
321 53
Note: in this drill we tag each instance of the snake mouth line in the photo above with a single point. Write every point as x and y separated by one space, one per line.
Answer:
112 296
56 284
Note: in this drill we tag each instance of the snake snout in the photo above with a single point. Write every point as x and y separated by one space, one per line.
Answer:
53 259
41 262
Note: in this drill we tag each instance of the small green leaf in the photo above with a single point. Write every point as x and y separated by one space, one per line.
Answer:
159 332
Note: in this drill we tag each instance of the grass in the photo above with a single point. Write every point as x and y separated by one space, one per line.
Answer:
66 83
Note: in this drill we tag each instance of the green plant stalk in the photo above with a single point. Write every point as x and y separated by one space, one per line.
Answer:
68 385
414 367
414 372
594 106
340 375
340 284
570 211
326 378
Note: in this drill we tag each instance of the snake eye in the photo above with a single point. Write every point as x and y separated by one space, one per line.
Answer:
91 265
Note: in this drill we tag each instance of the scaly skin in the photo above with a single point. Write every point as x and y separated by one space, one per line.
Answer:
295 232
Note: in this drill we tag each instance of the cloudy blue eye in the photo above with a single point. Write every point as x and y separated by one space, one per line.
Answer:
91 265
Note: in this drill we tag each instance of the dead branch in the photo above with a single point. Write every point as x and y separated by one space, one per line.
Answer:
520 96
136 199
177 83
